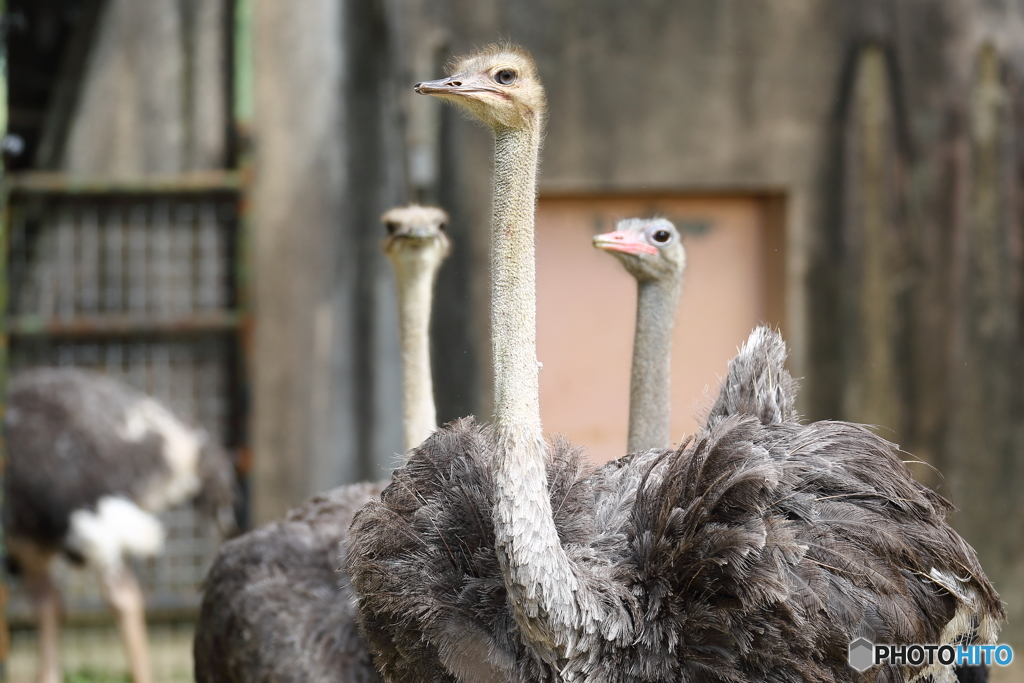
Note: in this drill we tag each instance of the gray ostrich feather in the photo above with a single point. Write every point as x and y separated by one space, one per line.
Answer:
754 552
68 448
757 382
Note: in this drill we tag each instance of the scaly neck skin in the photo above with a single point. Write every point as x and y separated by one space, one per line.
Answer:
416 272
513 284
650 383
547 598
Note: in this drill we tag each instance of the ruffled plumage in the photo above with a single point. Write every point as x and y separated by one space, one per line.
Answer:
755 552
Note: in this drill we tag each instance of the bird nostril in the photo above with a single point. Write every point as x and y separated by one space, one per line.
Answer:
455 83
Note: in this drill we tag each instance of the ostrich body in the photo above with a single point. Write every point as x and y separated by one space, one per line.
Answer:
90 463
651 252
275 607
753 552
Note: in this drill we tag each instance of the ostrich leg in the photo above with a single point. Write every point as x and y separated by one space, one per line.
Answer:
33 563
46 600
121 591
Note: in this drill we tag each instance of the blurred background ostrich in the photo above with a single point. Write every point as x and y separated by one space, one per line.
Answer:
90 462
276 606
652 252
188 199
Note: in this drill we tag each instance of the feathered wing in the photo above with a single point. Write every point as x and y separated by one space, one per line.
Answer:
757 382
762 551
273 610
414 552
61 429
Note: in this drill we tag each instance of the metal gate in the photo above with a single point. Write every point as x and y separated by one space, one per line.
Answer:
140 281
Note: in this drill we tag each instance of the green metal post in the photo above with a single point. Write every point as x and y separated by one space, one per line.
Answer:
243 64
4 222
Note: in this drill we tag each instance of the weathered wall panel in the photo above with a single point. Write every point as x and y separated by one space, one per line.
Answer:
152 97
329 154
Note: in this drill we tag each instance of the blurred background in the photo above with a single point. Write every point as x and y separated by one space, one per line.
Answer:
193 187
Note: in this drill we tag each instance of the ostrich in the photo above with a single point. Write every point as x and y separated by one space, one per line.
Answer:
753 552
652 252
756 384
416 245
90 463
272 609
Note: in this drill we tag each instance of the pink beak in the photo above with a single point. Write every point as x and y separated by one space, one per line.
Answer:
623 241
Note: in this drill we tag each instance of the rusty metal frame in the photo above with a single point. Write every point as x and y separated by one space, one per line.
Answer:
38 184
47 182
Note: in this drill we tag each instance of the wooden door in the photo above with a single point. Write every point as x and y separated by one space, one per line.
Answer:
587 308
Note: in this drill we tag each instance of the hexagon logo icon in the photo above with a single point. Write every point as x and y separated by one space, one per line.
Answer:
860 656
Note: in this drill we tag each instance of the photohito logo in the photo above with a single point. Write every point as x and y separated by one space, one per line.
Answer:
863 654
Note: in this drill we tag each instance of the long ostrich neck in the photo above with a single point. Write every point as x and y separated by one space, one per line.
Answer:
544 591
416 277
650 383
513 286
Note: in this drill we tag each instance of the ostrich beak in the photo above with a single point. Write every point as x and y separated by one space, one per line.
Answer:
438 87
461 85
422 232
418 233
623 241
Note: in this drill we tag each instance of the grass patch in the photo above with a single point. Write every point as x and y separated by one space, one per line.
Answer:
97 676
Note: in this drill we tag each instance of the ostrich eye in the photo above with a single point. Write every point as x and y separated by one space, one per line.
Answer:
505 77
662 236
391 226
442 227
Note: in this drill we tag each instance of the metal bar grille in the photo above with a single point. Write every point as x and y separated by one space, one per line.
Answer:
158 259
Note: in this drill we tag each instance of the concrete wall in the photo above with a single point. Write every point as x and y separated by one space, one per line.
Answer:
152 94
326 379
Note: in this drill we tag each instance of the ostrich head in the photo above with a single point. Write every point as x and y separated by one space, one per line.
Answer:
415 233
216 499
650 249
498 85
